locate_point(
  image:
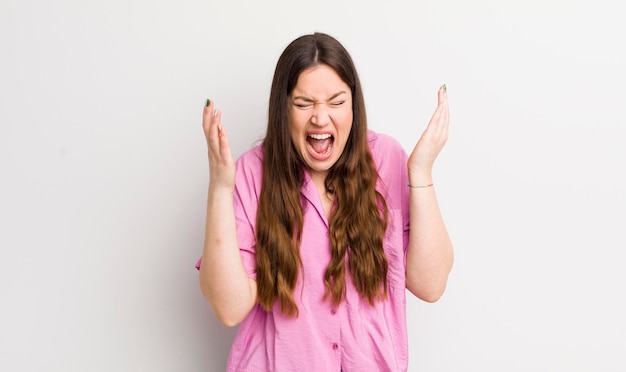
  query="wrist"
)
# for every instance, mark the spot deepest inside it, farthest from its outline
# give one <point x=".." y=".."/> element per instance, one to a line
<point x="420" y="186"/>
<point x="220" y="189"/>
<point x="420" y="178"/>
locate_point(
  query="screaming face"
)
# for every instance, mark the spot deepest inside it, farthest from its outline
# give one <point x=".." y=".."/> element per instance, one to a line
<point x="320" y="118"/>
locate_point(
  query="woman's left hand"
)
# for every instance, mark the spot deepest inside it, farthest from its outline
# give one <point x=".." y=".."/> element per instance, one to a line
<point x="431" y="142"/>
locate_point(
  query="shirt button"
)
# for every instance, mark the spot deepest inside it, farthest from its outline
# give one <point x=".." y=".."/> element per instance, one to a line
<point x="333" y="311"/>
<point x="335" y="346"/>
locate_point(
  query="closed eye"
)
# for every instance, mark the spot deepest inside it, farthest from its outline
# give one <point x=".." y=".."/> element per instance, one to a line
<point x="303" y="105"/>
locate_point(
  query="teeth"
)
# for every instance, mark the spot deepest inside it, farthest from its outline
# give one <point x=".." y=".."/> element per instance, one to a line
<point x="320" y="136"/>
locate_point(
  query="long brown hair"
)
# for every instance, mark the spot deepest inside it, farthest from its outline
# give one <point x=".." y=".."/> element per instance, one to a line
<point x="359" y="216"/>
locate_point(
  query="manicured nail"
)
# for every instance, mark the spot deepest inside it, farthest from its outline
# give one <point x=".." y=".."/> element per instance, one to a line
<point x="208" y="102"/>
<point x="445" y="89"/>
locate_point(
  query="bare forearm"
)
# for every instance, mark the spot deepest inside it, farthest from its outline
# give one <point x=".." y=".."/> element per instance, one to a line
<point x="223" y="278"/>
<point x="430" y="254"/>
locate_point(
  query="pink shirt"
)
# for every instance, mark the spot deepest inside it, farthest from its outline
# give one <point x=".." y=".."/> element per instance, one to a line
<point x="354" y="336"/>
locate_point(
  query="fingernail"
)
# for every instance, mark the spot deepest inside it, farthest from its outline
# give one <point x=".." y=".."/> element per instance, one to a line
<point x="445" y="89"/>
<point x="208" y="102"/>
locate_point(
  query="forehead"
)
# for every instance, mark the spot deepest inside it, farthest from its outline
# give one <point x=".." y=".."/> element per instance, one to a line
<point x="320" y="81"/>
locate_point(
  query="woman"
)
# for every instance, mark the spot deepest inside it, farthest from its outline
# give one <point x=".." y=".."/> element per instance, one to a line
<point x="308" y="241"/>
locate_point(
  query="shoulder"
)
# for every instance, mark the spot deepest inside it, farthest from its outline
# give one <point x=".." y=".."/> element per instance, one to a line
<point x="385" y="147"/>
<point x="390" y="160"/>
<point x="249" y="168"/>
<point x="252" y="157"/>
<point x="251" y="161"/>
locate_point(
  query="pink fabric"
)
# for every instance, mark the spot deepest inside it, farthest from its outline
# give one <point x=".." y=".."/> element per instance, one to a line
<point x="355" y="336"/>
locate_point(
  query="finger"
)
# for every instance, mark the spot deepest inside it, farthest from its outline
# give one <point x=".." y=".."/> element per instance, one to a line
<point x="446" y="113"/>
<point x="441" y="94"/>
<point x="441" y="128"/>
<point x="223" y="141"/>
<point x="209" y="125"/>
<point x="207" y="116"/>
<point x="446" y="116"/>
<point x="441" y="103"/>
<point x="443" y="118"/>
<point x="213" y="132"/>
<point x="435" y="119"/>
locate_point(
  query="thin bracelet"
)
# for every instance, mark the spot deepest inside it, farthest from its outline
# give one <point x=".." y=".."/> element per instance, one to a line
<point x="420" y="186"/>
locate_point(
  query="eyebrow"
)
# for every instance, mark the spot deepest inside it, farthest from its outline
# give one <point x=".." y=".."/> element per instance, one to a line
<point x="307" y="99"/>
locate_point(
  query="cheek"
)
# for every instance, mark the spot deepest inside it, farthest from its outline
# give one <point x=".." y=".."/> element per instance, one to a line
<point x="295" y="135"/>
<point x="346" y="121"/>
<point x="298" y="119"/>
<point x="347" y="113"/>
<point x="297" y="128"/>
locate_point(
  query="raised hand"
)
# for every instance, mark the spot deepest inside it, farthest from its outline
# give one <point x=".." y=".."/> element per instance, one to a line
<point x="431" y="142"/>
<point x="223" y="278"/>
<point x="221" y="162"/>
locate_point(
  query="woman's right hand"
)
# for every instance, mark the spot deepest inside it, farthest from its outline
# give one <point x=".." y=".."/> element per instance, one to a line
<point x="223" y="278"/>
<point x="221" y="162"/>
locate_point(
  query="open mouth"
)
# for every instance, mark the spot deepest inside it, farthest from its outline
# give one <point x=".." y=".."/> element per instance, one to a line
<point x="320" y="145"/>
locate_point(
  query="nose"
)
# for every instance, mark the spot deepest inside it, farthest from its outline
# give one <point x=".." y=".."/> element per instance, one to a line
<point x="320" y="115"/>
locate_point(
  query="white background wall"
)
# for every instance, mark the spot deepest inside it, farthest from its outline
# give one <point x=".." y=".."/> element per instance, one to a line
<point x="103" y="172"/>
